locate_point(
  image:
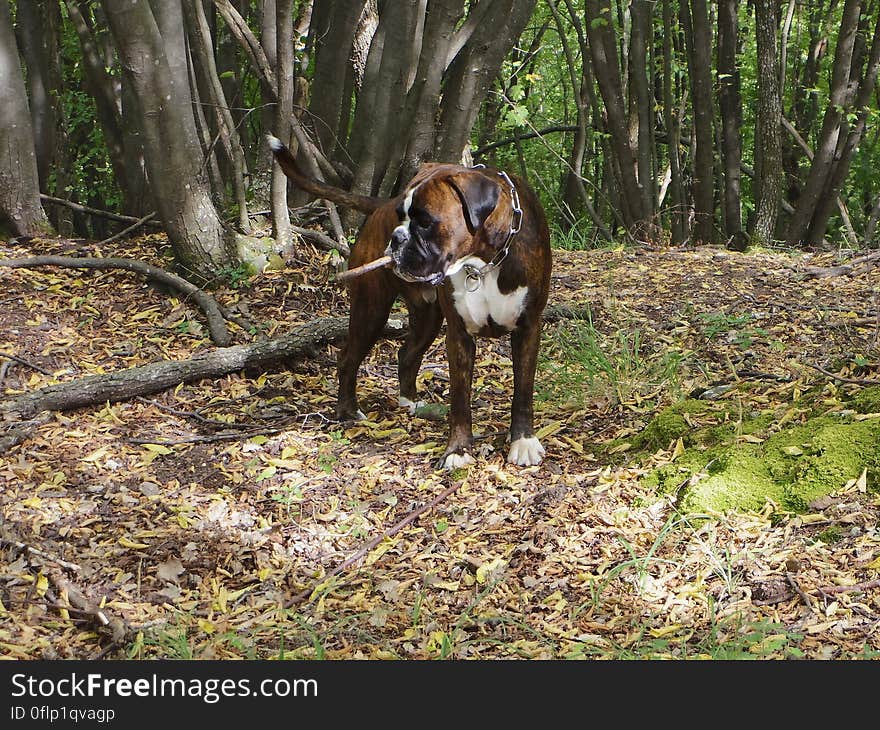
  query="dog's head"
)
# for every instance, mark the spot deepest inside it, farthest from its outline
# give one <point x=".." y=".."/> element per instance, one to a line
<point x="443" y="217"/>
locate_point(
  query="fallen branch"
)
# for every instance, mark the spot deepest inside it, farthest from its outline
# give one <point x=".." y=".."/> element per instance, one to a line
<point x="365" y="549"/>
<point x="79" y="208"/>
<point x="22" y="361"/>
<point x="128" y="229"/>
<point x="39" y="553"/>
<point x="216" y="324"/>
<point x="322" y="240"/>
<point x="866" y="586"/>
<point x="379" y="263"/>
<point x="850" y="269"/>
<point x="19" y="433"/>
<point x="854" y="381"/>
<point x="158" y="376"/>
<point x="112" y="626"/>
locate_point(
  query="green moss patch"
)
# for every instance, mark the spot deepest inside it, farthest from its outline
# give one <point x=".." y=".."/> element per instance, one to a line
<point x="792" y="467"/>
<point x="867" y="400"/>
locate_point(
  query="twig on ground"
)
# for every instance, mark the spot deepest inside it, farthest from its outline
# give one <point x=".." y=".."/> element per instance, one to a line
<point x="866" y="586"/>
<point x="40" y="553"/>
<point x="854" y="381"/>
<point x="76" y="597"/>
<point x="26" y="363"/>
<point x="792" y="581"/>
<point x="365" y="549"/>
<point x="206" y="439"/>
<point x="192" y="414"/>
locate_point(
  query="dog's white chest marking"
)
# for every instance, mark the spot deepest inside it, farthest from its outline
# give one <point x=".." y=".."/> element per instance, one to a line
<point x="485" y="301"/>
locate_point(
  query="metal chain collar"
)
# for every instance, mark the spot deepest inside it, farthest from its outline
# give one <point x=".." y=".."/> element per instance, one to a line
<point x="474" y="275"/>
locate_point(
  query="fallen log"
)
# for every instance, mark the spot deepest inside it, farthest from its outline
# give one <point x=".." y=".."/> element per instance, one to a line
<point x="158" y="376"/>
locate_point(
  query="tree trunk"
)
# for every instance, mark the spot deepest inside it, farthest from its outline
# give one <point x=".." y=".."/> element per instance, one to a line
<point x="846" y="146"/>
<point x="826" y="146"/>
<point x="283" y="54"/>
<point x="603" y="50"/>
<point x="31" y="25"/>
<point x="333" y="27"/>
<point x="201" y="245"/>
<point x="672" y="122"/>
<point x="38" y="34"/>
<point x="768" y="134"/>
<point x="423" y="101"/>
<point x="470" y="74"/>
<point x="388" y="69"/>
<point x="641" y="103"/>
<point x="203" y="57"/>
<point x="698" y="36"/>
<point x="20" y="207"/>
<point x="123" y="146"/>
<point x="730" y="106"/>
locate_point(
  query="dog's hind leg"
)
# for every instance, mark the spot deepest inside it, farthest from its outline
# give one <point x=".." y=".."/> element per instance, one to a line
<point x="425" y="320"/>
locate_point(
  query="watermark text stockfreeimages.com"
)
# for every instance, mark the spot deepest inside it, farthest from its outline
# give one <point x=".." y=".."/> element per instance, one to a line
<point x="95" y="685"/>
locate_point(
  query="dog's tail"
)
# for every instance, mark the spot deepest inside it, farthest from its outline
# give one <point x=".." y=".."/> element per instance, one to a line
<point x="319" y="189"/>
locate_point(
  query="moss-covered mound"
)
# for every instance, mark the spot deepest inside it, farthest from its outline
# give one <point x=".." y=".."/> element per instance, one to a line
<point x="740" y="463"/>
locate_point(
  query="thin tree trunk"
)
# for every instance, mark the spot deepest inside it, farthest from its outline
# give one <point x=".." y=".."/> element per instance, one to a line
<point x="20" y="207"/>
<point x="641" y="103"/>
<point x="672" y="123"/>
<point x="201" y="245"/>
<point x="38" y="31"/>
<point x="768" y="136"/>
<point x="603" y="50"/>
<point x="698" y="36"/>
<point x="847" y="146"/>
<point x="281" y="228"/>
<point x="471" y="73"/>
<point x="333" y="26"/>
<point x="423" y="100"/>
<point x="730" y="106"/>
<point x="226" y="127"/>
<point x="826" y="146"/>
<point x="123" y="143"/>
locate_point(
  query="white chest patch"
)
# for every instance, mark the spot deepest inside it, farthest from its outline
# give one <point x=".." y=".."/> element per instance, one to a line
<point x="476" y="307"/>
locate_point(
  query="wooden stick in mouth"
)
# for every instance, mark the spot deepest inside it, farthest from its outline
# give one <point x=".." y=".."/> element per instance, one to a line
<point x="379" y="263"/>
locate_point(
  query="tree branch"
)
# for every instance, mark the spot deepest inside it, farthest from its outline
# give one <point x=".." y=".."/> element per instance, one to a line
<point x="100" y="213"/>
<point x="216" y="324"/>
<point x="480" y="151"/>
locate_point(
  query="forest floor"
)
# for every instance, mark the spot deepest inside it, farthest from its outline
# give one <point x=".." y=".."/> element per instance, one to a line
<point x="180" y="525"/>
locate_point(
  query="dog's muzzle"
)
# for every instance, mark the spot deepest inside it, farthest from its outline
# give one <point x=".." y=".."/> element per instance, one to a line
<point x="400" y="239"/>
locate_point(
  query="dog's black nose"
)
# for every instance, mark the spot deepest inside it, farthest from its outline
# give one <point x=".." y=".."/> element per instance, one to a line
<point x="399" y="236"/>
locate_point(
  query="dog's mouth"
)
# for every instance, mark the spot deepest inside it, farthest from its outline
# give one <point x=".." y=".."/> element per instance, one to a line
<point x="434" y="279"/>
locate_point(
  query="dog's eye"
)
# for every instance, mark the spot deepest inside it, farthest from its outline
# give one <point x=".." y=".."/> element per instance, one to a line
<point x="422" y="222"/>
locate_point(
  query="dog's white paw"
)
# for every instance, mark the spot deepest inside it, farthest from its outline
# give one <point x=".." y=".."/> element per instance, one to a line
<point x="526" y="451"/>
<point x="457" y="461"/>
<point x="411" y="406"/>
<point x="361" y="416"/>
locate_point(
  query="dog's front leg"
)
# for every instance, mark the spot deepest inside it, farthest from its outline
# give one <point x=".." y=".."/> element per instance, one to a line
<point x="460" y="350"/>
<point x="525" y="448"/>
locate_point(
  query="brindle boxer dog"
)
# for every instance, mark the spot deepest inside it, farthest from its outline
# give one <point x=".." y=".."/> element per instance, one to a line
<point x="470" y="245"/>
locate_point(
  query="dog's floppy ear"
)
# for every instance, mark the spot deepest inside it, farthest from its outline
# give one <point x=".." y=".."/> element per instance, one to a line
<point x="479" y="196"/>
